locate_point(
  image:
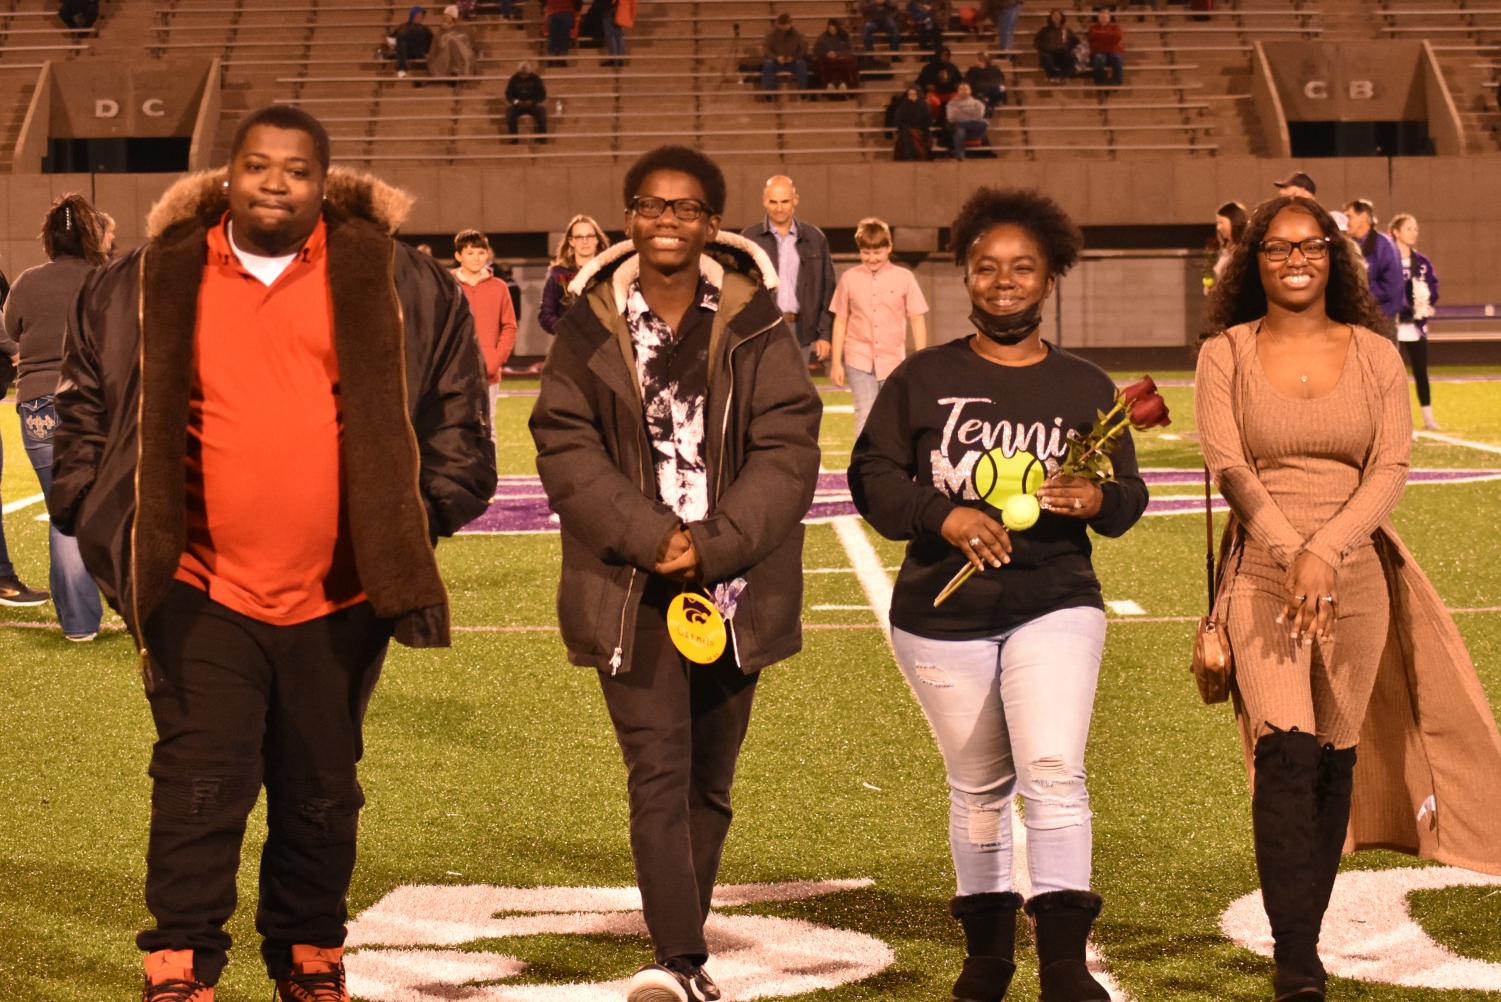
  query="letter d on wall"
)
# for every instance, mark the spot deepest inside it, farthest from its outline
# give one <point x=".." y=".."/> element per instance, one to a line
<point x="106" y="108"/>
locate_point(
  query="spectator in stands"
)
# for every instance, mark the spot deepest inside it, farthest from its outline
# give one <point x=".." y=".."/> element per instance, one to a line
<point x="1420" y="296"/>
<point x="1229" y="227"/>
<point x="880" y="18"/>
<point x="924" y="24"/>
<point x="35" y="324"/>
<point x="411" y="40"/>
<point x="940" y="80"/>
<point x="453" y="54"/>
<point x="912" y="125"/>
<point x="987" y="82"/>
<point x="1383" y="265"/>
<point x="12" y="591"/>
<point x="834" y="57"/>
<point x="966" y="119"/>
<point x="79" y="15"/>
<point x="785" y="51"/>
<point x="872" y="306"/>
<point x="1107" y="47"/>
<point x="1296" y="185"/>
<point x="1004" y="13"/>
<point x="526" y="96"/>
<point x="560" y="16"/>
<point x="1055" y="44"/>
<point x="490" y="302"/>
<point x="608" y="19"/>
<point x="582" y="240"/>
<point x="805" y="269"/>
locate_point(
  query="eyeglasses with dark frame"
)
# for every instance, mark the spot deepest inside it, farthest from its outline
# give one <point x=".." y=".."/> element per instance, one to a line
<point x="1313" y="249"/>
<point x="686" y="209"/>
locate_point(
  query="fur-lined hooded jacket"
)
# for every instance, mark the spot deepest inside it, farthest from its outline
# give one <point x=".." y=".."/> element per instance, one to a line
<point x="416" y="448"/>
<point x="761" y="450"/>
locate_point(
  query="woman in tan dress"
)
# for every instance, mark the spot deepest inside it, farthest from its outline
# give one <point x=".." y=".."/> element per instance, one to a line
<point x="1304" y="420"/>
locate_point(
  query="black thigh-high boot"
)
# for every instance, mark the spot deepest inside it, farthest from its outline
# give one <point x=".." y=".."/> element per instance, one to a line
<point x="1284" y="818"/>
<point x="1332" y="802"/>
<point x="989" y="922"/>
<point x="1064" y="919"/>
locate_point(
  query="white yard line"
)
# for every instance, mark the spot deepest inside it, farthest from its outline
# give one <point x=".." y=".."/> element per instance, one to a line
<point x="877" y="585"/>
<point x="16" y="506"/>
<point x="1451" y="440"/>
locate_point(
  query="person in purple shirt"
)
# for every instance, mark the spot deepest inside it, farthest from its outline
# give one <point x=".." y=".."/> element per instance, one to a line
<point x="1382" y="263"/>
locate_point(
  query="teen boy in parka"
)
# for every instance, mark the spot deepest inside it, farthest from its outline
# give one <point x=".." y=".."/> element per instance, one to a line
<point x="268" y="414"/>
<point x="677" y="438"/>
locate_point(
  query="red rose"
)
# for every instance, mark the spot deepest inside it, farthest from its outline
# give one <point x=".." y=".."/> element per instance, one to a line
<point x="1139" y="390"/>
<point x="1149" y="412"/>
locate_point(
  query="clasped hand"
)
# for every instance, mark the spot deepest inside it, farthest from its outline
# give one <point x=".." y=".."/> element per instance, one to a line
<point x="1311" y="596"/>
<point x="679" y="559"/>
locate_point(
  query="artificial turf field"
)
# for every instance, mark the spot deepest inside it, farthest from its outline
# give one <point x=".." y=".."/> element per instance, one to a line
<point x="493" y="763"/>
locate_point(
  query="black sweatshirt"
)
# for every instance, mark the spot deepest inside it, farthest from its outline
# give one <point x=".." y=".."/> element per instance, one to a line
<point x="935" y="416"/>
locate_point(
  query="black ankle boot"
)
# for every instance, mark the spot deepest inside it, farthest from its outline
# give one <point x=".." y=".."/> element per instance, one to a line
<point x="1284" y="819"/>
<point x="989" y="922"/>
<point x="1063" y="922"/>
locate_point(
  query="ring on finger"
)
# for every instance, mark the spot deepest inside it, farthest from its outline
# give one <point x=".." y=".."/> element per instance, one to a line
<point x="1078" y="504"/>
<point x="974" y="540"/>
<point x="1300" y="598"/>
<point x="1327" y="598"/>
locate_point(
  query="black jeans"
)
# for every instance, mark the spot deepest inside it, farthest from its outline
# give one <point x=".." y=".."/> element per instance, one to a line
<point x="536" y="112"/>
<point x="239" y="703"/>
<point x="680" y="726"/>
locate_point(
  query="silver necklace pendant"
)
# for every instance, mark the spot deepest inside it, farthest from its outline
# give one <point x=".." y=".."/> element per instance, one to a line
<point x="1302" y="379"/>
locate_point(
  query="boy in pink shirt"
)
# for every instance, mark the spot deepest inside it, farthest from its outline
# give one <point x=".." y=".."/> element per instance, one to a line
<point x="872" y="306"/>
<point x="489" y="301"/>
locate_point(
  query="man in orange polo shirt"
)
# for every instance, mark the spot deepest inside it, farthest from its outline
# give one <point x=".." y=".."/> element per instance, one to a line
<point x="268" y="415"/>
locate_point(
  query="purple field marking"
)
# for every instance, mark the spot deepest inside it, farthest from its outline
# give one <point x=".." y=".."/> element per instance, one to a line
<point x="520" y="506"/>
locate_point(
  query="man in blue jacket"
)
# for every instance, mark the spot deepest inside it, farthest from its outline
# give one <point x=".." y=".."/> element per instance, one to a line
<point x="1382" y="262"/>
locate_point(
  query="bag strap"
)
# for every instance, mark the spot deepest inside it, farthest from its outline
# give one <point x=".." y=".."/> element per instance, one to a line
<point x="1209" y="541"/>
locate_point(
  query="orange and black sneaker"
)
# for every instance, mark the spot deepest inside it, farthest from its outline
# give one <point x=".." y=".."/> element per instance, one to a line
<point x="317" y="976"/>
<point x="169" y="978"/>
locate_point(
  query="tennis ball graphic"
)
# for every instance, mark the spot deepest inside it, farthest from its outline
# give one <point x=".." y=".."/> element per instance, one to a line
<point x="998" y="476"/>
<point x="1020" y="511"/>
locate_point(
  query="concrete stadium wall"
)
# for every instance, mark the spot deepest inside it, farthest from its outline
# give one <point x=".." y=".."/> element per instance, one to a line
<point x="1116" y="300"/>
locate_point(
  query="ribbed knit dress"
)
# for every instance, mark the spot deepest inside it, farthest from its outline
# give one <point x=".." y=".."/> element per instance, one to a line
<point x="1318" y="475"/>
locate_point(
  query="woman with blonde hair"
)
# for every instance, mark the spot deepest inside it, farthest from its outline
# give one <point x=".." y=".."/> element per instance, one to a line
<point x="36" y="320"/>
<point x="1339" y="639"/>
<point x="1420" y="296"/>
<point x="583" y="240"/>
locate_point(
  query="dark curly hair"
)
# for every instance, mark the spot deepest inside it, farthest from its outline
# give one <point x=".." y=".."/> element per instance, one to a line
<point x="1060" y="240"/>
<point x="1239" y="297"/>
<point x="684" y="160"/>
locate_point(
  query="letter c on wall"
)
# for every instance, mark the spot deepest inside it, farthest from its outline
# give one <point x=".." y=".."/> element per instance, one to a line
<point x="154" y="107"/>
<point x="1316" y="90"/>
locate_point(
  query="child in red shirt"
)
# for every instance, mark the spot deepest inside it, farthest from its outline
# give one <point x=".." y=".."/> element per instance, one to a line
<point x="489" y="301"/>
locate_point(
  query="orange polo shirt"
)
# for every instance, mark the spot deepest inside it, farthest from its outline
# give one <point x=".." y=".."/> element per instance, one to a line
<point x="267" y="525"/>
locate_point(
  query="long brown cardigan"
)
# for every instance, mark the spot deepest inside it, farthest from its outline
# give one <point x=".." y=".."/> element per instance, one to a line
<point x="1428" y="775"/>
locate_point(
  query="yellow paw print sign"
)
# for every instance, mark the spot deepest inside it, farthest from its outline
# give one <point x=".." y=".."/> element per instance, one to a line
<point x="696" y="628"/>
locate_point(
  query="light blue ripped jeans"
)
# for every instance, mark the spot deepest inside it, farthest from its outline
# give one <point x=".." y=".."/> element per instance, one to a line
<point x="1011" y="714"/>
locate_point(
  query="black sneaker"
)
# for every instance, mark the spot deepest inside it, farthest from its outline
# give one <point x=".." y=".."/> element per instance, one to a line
<point x="656" y="983"/>
<point x="13" y="592"/>
<point x="700" y="982"/>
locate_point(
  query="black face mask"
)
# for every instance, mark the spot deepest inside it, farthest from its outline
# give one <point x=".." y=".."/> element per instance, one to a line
<point x="1013" y="328"/>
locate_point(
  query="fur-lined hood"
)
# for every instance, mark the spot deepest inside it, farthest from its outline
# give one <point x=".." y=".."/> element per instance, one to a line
<point x="726" y="251"/>
<point x="201" y="196"/>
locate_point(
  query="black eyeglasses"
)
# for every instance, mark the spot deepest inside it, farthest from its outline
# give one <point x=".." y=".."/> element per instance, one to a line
<point x="686" y="209"/>
<point x="1314" y="249"/>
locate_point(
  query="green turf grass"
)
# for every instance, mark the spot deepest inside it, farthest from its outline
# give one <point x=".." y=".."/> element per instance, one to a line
<point x="493" y="762"/>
